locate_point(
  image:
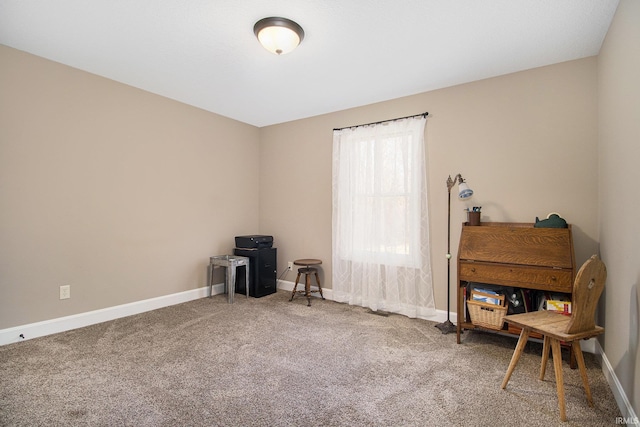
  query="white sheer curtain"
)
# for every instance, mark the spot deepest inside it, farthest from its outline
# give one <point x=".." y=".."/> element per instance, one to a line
<point x="381" y="257"/>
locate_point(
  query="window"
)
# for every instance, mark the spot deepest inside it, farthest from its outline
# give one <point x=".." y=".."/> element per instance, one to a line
<point x="380" y="221"/>
<point x="384" y="205"/>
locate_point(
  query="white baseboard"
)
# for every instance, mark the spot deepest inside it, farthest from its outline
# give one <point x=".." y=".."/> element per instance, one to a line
<point x="626" y="409"/>
<point x="441" y="316"/>
<point x="67" y="323"/>
<point x="588" y="346"/>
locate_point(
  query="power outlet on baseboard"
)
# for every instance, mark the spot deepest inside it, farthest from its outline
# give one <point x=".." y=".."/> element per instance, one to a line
<point x="290" y="266"/>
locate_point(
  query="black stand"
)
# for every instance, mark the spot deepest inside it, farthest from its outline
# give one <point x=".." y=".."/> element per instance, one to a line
<point x="448" y="327"/>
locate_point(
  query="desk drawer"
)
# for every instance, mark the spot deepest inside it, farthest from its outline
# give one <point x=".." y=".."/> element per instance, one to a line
<point x="546" y="279"/>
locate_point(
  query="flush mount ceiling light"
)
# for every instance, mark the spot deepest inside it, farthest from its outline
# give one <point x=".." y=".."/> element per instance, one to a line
<point x="278" y="35"/>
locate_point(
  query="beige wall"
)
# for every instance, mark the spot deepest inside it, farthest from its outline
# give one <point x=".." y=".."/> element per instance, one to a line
<point x="619" y="151"/>
<point x="114" y="191"/>
<point x="117" y="192"/>
<point x="525" y="142"/>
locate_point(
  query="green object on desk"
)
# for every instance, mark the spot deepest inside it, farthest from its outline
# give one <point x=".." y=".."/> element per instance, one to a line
<point x="552" y="221"/>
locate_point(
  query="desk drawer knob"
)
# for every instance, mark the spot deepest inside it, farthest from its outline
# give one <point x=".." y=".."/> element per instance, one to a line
<point x="473" y="270"/>
<point x="554" y="278"/>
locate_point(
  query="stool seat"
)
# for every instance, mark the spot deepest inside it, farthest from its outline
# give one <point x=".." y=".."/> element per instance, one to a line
<point x="307" y="271"/>
<point x="307" y="261"/>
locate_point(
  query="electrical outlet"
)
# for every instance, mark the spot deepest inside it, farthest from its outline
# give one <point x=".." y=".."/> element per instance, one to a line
<point x="65" y="291"/>
<point x="290" y="266"/>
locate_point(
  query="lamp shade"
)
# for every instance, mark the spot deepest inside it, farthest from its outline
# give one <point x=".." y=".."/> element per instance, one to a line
<point x="464" y="192"/>
<point x="278" y="35"/>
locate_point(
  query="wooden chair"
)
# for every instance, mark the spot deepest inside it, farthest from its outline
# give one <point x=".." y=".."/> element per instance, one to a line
<point x="556" y="327"/>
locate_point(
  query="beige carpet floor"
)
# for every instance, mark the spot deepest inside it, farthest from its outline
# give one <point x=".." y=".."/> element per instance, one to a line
<point x="271" y="362"/>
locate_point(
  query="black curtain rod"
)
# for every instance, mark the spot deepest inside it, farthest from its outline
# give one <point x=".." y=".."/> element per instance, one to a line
<point x="425" y="114"/>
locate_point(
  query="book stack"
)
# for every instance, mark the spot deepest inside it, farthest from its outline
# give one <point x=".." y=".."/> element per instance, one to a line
<point x="486" y="295"/>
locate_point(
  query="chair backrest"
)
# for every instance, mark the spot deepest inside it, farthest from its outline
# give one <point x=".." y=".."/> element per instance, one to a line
<point x="587" y="289"/>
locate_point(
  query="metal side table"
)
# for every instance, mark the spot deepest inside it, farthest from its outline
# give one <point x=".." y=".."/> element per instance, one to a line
<point x="231" y="262"/>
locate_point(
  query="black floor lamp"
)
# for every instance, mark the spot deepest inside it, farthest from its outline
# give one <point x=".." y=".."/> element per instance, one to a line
<point x="464" y="192"/>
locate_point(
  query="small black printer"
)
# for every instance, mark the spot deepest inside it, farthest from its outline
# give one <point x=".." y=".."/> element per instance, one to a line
<point x="254" y="242"/>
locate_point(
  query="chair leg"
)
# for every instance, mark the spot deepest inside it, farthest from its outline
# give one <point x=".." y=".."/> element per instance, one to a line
<point x="319" y="287"/>
<point x="522" y="341"/>
<point x="307" y="288"/>
<point x="583" y="371"/>
<point x="295" y="287"/>
<point x="545" y="357"/>
<point x="557" y="366"/>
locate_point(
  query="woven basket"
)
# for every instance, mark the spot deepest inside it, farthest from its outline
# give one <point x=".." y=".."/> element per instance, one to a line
<point x="487" y="315"/>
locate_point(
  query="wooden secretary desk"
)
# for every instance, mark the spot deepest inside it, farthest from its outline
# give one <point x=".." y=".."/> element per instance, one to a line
<point x="516" y="255"/>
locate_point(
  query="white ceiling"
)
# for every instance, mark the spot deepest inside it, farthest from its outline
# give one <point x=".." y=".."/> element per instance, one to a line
<point x="355" y="52"/>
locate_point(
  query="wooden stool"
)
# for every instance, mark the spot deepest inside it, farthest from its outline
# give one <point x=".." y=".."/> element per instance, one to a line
<point x="307" y="271"/>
